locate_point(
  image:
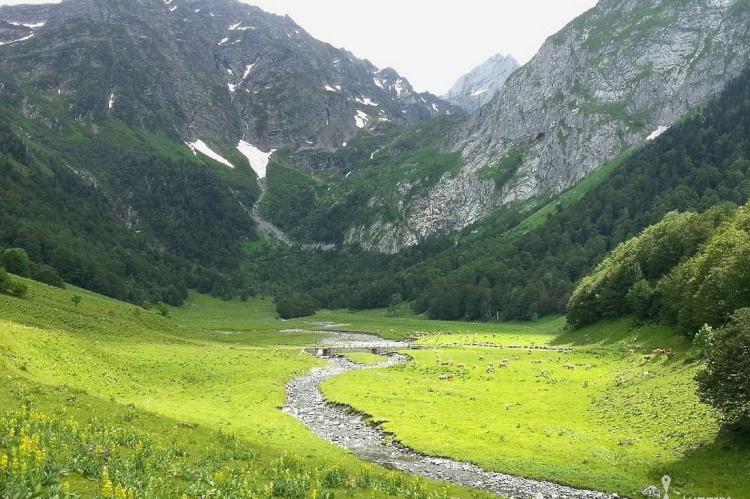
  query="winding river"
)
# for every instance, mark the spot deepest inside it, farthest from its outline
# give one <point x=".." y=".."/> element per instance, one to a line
<point x="351" y="430"/>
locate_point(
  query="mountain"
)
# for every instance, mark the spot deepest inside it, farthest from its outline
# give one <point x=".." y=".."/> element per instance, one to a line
<point x="141" y="127"/>
<point x="621" y="73"/>
<point x="217" y="71"/>
<point x="519" y="264"/>
<point x="477" y="87"/>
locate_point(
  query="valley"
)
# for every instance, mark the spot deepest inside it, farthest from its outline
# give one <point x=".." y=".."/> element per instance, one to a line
<point x="204" y="390"/>
<point x="237" y="261"/>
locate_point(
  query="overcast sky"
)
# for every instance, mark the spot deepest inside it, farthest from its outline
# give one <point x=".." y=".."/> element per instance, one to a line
<point x="431" y="43"/>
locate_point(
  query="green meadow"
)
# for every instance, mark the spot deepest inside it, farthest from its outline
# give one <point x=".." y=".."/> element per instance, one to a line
<point x="588" y="409"/>
<point x="106" y="399"/>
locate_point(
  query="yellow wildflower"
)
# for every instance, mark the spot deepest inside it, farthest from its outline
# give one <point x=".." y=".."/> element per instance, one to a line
<point x="106" y="483"/>
<point x="3" y="462"/>
<point x="120" y="492"/>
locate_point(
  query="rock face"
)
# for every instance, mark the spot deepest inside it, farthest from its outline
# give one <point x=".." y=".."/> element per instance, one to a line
<point x="620" y="73"/>
<point x="479" y="86"/>
<point x="219" y="71"/>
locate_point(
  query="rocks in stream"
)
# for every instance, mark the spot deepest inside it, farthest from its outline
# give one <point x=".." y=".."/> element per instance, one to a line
<point x="351" y="430"/>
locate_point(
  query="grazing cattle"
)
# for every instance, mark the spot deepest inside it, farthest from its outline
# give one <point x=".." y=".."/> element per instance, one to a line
<point x="658" y="352"/>
<point x="569" y="366"/>
<point x="536" y="361"/>
<point x="446" y="377"/>
<point x="491" y="368"/>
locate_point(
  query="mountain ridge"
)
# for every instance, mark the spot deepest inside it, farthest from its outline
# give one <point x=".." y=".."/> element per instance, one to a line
<point x="603" y="83"/>
<point x="477" y="87"/>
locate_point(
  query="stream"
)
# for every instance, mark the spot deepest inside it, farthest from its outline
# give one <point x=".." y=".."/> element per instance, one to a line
<point x="351" y="430"/>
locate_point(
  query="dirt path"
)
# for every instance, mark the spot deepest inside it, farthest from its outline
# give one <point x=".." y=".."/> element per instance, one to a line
<point x="350" y="430"/>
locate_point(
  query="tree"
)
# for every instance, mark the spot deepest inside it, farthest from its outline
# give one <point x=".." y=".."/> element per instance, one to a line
<point x="725" y="383"/>
<point x="16" y="261"/>
<point x="76" y="299"/>
<point x="293" y="305"/>
<point x="394" y="303"/>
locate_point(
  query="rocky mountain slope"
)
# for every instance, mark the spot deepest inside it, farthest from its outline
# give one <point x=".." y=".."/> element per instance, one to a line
<point x="155" y="119"/>
<point x="479" y="86"/>
<point x="222" y="72"/>
<point x="618" y="75"/>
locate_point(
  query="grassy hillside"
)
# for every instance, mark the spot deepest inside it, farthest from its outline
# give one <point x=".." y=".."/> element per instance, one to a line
<point x="167" y="406"/>
<point x="602" y="413"/>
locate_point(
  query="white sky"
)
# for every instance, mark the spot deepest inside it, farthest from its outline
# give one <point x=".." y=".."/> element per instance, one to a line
<point x="432" y="43"/>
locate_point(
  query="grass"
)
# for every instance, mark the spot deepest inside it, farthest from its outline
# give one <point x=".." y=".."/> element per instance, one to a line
<point x="407" y="324"/>
<point x="609" y="420"/>
<point x="201" y="390"/>
<point x="189" y="404"/>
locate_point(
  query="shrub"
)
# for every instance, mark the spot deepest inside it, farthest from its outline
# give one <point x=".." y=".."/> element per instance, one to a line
<point x="16" y="261"/>
<point x="704" y="338"/>
<point x="295" y="305"/>
<point x="47" y="275"/>
<point x="725" y="383"/>
<point x="11" y="286"/>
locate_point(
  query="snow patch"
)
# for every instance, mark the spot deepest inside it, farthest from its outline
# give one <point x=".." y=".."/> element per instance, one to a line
<point x="399" y="87"/>
<point x="223" y="41"/>
<point x="361" y="119"/>
<point x="366" y="101"/>
<point x="330" y="88"/>
<point x="18" y="40"/>
<point x="479" y="92"/>
<point x="247" y="71"/>
<point x="660" y="130"/>
<point x="435" y="108"/>
<point x="258" y="159"/>
<point x="232" y="87"/>
<point x="378" y="83"/>
<point x="239" y="27"/>
<point x="201" y="147"/>
<point x="111" y="102"/>
<point x="27" y="25"/>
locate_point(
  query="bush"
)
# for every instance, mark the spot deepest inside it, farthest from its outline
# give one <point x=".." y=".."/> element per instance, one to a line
<point x="295" y="305"/>
<point x="725" y="383"/>
<point x="47" y="275"/>
<point x="11" y="286"/>
<point x="16" y="261"/>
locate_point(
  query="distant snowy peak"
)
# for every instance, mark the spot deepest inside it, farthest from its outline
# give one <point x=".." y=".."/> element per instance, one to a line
<point x="479" y="86"/>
